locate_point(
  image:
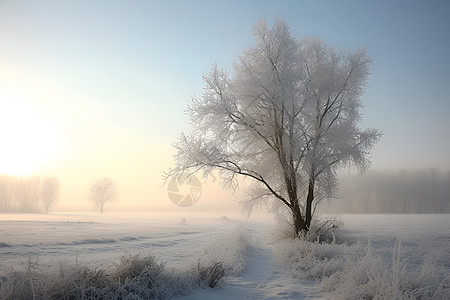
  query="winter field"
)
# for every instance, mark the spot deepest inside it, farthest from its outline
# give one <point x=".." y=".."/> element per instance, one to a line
<point x="148" y="256"/>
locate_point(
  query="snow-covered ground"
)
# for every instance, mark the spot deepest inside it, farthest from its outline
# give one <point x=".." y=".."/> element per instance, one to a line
<point x="399" y="245"/>
<point x="102" y="239"/>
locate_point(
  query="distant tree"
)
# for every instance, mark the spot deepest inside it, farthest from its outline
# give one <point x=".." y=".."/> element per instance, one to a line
<point x="287" y="118"/>
<point x="50" y="192"/>
<point x="102" y="191"/>
<point x="35" y="192"/>
<point x="7" y="186"/>
<point x="27" y="192"/>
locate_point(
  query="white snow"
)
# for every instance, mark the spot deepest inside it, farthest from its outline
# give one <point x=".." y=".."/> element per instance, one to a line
<point x="412" y="249"/>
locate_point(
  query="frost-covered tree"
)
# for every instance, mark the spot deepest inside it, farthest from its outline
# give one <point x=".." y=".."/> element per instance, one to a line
<point x="102" y="191"/>
<point x="50" y="192"/>
<point x="287" y="118"/>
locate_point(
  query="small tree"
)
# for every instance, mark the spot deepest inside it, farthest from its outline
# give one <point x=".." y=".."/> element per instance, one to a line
<point x="287" y="118"/>
<point x="102" y="191"/>
<point x="50" y="192"/>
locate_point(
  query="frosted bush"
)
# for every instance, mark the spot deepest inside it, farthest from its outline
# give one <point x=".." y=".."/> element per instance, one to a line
<point x="364" y="271"/>
<point x="75" y="282"/>
<point x="147" y="278"/>
<point x="320" y="231"/>
<point x="323" y="230"/>
<point x="21" y="285"/>
<point x="131" y="266"/>
<point x="211" y="274"/>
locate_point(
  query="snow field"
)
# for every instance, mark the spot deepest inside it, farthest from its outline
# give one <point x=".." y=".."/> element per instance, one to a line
<point x="131" y="276"/>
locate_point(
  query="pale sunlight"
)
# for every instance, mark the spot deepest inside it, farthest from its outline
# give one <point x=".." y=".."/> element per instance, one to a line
<point x="29" y="139"/>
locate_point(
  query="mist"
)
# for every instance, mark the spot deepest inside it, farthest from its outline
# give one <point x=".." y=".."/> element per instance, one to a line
<point x="392" y="191"/>
<point x="377" y="191"/>
<point x="139" y="194"/>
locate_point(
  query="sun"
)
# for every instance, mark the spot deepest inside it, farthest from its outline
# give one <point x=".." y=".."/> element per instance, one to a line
<point x="28" y="138"/>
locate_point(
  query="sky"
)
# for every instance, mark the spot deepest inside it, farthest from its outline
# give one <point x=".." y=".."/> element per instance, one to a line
<point x="99" y="88"/>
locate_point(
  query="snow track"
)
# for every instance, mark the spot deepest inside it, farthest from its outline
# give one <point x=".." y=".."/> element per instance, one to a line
<point x="263" y="279"/>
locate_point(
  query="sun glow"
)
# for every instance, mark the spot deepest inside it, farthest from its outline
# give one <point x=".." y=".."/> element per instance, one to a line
<point x="29" y="138"/>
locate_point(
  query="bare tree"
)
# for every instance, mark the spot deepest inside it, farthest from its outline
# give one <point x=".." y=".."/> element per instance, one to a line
<point x="35" y="192"/>
<point x="102" y="191"/>
<point x="50" y="192"/>
<point x="27" y="192"/>
<point x="286" y="118"/>
<point x="7" y="185"/>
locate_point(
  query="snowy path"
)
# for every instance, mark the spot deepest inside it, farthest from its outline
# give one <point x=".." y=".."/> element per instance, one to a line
<point x="264" y="279"/>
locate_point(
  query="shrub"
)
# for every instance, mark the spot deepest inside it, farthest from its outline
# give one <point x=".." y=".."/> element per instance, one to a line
<point x="131" y="266"/>
<point x="211" y="274"/>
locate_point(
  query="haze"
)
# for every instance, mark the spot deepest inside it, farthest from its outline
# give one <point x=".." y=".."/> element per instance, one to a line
<point x="89" y="90"/>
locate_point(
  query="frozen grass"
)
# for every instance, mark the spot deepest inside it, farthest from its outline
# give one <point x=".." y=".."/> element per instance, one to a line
<point x="226" y="256"/>
<point x="231" y="250"/>
<point x="366" y="269"/>
<point x="132" y="277"/>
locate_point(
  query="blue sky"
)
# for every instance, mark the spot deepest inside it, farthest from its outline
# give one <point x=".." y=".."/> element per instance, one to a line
<point x="111" y="79"/>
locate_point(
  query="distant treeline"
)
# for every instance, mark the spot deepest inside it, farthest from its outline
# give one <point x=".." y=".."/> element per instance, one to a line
<point x="27" y="194"/>
<point x="401" y="191"/>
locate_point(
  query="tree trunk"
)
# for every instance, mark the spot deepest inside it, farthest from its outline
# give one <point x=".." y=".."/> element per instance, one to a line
<point x="101" y="209"/>
<point x="299" y="223"/>
<point x="309" y="201"/>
